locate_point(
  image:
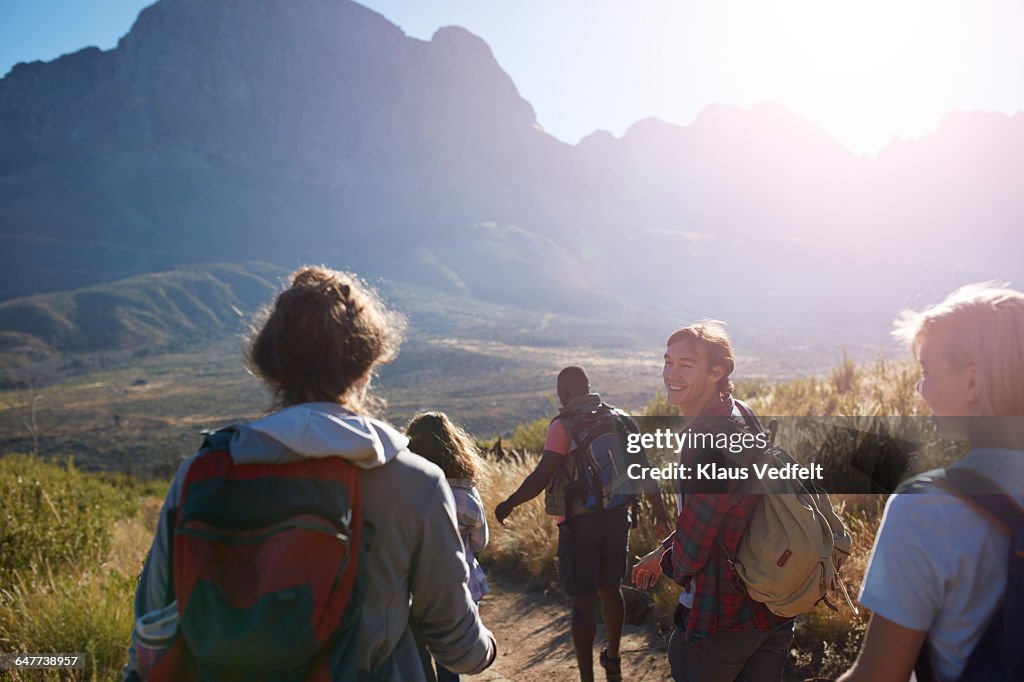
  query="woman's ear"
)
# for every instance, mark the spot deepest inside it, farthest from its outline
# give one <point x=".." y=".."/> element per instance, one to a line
<point x="972" y="386"/>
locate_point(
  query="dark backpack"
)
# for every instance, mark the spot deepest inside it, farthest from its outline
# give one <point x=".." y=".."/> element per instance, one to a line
<point x="265" y="562"/>
<point x="999" y="653"/>
<point x="599" y="459"/>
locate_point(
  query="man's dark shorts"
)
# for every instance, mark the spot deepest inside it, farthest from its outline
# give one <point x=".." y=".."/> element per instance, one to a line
<point x="592" y="550"/>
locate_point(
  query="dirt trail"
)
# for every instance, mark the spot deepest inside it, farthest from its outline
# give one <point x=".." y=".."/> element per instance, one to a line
<point x="535" y="644"/>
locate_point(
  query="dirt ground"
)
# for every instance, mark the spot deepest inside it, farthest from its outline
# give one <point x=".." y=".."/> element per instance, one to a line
<point x="535" y="644"/>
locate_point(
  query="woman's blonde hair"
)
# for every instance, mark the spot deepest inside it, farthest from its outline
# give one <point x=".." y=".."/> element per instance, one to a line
<point x="435" y="437"/>
<point x="322" y="338"/>
<point x="710" y="336"/>
<point x="983" y="326"/>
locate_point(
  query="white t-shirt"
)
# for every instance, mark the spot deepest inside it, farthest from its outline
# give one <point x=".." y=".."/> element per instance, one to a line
<point x="939" y="565"/>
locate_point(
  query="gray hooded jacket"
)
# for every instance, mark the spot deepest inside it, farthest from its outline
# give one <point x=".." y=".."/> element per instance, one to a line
<point x="415" y="568"/>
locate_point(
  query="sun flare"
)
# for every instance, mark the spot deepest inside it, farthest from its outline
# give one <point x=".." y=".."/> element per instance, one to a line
<point x="857" y="66"/>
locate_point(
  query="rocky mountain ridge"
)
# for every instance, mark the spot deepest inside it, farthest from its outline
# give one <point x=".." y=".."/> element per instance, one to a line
<point x="315" y="130"/>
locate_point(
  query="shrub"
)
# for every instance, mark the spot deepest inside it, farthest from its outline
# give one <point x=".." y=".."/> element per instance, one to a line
<point x="531" y="435"/>
<point x="56" y="515"/>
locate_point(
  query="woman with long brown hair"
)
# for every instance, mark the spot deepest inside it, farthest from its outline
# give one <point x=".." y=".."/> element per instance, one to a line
<point x="433" y="436"/>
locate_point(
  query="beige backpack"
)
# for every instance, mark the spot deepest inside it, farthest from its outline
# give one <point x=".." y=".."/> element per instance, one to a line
<point x="790" y="556"/>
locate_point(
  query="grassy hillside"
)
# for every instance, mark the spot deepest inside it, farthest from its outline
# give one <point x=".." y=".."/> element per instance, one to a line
<point x="71" y="547"/>
<point x="149" y="312"/>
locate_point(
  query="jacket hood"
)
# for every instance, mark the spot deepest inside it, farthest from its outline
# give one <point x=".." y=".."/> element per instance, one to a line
<point x="317" y="430"/>
<point x="582" y="403"/>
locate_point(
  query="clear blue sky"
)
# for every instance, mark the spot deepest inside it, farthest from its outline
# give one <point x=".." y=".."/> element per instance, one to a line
<point x="865" y="71"/>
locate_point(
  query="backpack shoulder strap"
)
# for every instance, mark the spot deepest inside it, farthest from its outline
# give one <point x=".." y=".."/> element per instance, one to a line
<point x="623" y="420"/>
<point x="572" y="419"/>
<point x="718" y="423"/>
<point x="1000" y="509"/>
<point x="749" y="418"/>
<point x="568" y="418"/>
<point x="985" y="496"/>
<point x="730" y="423"/>
<point x="560" y="415"/>
<point x="218" y="439"/>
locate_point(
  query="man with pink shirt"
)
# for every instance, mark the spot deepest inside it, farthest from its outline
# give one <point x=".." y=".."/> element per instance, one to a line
<point x="592" y="544"/>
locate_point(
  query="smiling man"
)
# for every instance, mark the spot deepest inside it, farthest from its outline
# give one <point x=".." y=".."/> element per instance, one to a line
<point x="721" y="633"/>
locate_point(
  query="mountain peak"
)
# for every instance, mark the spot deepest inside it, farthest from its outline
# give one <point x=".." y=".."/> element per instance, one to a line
<point x="649" y="127"/>
<point x="465" y="73"/>
<point x="457" y="37"/>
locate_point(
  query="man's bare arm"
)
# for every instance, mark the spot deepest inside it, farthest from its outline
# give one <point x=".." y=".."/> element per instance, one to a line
<point x="532" y="486"/>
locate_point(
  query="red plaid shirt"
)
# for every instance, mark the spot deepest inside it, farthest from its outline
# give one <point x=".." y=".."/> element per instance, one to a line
<point x="706" y="524"/>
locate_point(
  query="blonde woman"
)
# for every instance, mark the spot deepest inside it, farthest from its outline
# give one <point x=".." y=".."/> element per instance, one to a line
<point x="938" y="571"/>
